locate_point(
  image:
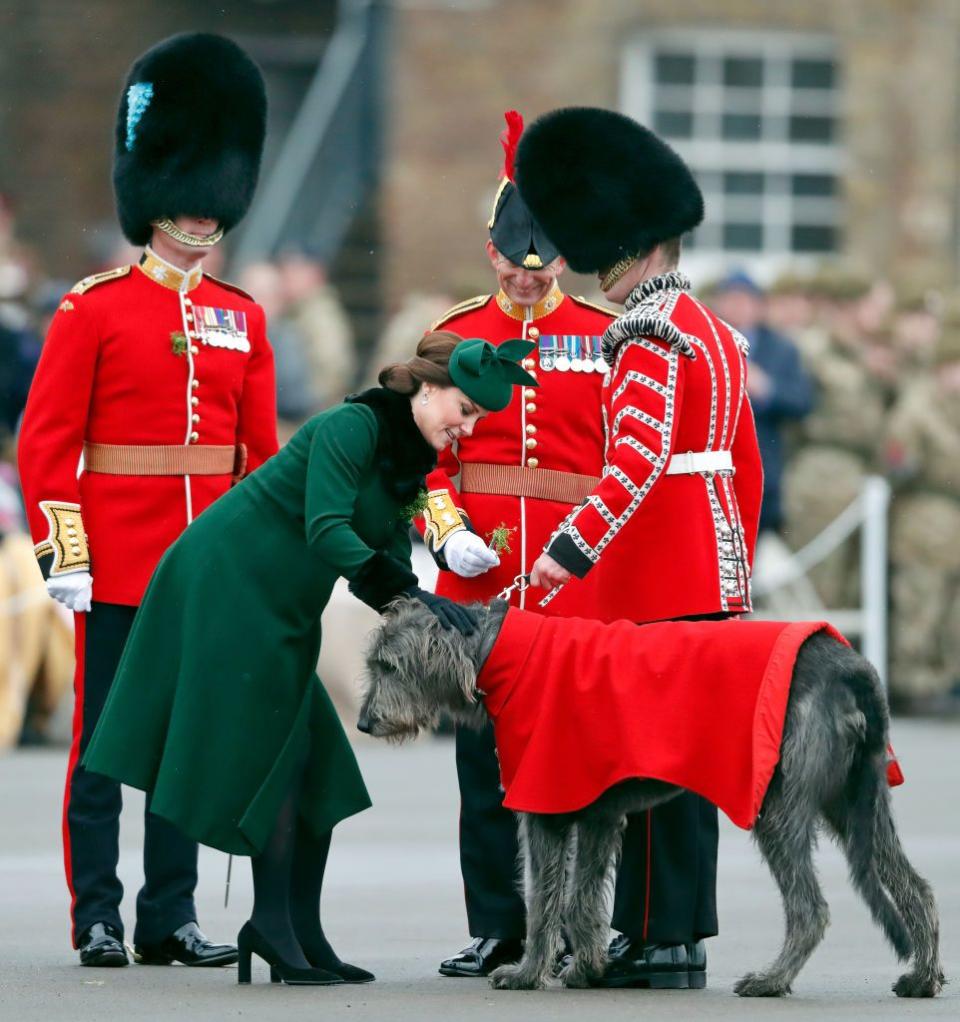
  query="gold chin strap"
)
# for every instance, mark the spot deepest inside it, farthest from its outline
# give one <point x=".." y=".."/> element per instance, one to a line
<point x="616" y="271"/>
<point x="193" y="240"/>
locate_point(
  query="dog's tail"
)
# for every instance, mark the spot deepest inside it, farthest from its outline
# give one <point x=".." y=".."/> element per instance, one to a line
<point x="869" y="825"/>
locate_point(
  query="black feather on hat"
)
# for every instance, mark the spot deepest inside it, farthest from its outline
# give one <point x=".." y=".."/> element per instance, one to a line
<point x="189" y="134"/>
<point x="603" y="187"/>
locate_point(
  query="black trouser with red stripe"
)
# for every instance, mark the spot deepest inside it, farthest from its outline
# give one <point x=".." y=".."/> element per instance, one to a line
<point x="666" y="882"/>
<point x="92" y="803"/>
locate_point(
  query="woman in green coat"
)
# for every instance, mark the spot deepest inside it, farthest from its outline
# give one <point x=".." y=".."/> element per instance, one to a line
<point x="216" y="710"/>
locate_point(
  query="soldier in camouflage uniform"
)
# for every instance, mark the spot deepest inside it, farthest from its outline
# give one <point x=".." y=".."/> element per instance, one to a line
<point x="915" y="328"/>
<point x="838" y="444"/>
<point x="790" y="308"/>
<point x="922" y="452"/>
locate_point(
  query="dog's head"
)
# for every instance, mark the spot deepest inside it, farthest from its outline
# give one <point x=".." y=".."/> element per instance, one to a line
<point x="416" y="669"/>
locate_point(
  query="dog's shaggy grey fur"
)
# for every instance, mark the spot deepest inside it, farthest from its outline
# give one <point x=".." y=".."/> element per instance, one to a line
<point x="831" y="775"/>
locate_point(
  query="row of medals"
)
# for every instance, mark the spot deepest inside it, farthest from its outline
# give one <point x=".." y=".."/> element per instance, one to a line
<point x="551" y="359"/>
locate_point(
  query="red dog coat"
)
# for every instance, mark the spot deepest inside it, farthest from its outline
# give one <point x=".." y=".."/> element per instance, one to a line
<point x="578" y="705"/>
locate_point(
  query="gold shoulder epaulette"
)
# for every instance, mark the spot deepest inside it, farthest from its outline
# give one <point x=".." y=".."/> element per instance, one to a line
<point x="94" y="279"/>
<point x="593" y="305"/>
<point x="229" y="286"/>
<point x="467" y="306"/>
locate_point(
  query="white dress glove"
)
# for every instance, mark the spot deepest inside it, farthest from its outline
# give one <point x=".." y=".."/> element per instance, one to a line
<point x="74" y="591"/>
<point x="468" y="555"/>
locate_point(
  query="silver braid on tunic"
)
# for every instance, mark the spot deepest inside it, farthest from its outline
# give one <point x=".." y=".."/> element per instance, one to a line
<point x="644" y="318"/>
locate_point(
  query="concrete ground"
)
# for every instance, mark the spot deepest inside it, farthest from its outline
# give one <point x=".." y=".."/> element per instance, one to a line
<point x="393" y="904"/>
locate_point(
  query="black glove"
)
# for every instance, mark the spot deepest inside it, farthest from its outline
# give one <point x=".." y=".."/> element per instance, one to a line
<point x="448" y="613"/>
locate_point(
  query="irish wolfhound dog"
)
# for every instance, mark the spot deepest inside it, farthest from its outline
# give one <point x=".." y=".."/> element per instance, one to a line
<point x="831" y="773"/>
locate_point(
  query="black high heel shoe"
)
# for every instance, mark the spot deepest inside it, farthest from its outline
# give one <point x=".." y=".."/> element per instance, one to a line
<point x="348" y="973"/>
<point x="250" y="941"/>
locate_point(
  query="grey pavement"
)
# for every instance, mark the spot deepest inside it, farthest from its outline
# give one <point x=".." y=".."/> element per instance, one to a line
<point x="393" y="904"/>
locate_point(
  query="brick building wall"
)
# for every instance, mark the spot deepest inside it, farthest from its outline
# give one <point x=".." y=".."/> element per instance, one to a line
<point x="454" y="66"/>
<point x="457" y="66"/>
<point x="61" y="69"/>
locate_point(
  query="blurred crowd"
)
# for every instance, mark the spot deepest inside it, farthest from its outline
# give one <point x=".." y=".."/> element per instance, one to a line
<point x="36" y="634"/>
<point x="853" y="377"/>
<point x="849" y="377"/>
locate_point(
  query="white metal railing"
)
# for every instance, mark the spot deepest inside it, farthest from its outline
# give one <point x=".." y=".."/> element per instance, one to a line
<point x="868" y="514"/>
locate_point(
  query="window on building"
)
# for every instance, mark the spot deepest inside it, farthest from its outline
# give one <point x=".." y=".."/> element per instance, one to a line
<point x="756" y="115"/>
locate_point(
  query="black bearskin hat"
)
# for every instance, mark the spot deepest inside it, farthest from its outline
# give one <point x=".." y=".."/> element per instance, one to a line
<point x="512" y="229"/>
<point x="189" y="134"/>
<point x="604" y="187"/>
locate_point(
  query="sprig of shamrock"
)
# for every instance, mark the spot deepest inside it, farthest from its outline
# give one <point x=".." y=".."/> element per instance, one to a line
<point x="415" y="508"/>
<point x="500" y="538"/>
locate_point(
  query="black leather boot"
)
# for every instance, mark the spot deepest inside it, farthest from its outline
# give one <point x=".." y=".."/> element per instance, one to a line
<point x="187" y="945"/>
<point x="697" y="965"/>
<point x="482" y="957"/>
<point x="655" y="966"/>
<point x="102" y="945"/>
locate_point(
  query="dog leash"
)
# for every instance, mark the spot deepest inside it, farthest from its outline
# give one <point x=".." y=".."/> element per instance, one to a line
<point x="553" y="592"/>
<point x="520" y="584"/>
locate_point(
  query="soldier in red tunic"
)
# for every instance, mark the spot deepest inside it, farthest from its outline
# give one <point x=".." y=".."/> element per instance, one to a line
<point x="669" y="532"/>
<point x="154" y="392"/>
<point x="521" y="470"/>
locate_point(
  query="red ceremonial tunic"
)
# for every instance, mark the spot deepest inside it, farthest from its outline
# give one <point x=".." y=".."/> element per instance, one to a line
<point x="142" y="355"/>
<point x="556" y="427"/>
<point x="696" y="704"/>
<point x="671" y="545"/>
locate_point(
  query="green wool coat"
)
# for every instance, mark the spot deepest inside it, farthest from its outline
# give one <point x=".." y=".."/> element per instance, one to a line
<point x="216" y="704"/>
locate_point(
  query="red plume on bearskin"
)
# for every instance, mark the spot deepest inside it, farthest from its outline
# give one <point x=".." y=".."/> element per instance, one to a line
<point x="509" y="139"/>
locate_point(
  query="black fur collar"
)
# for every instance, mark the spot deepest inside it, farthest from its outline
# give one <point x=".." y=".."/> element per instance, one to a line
<point x="403" y="455"/>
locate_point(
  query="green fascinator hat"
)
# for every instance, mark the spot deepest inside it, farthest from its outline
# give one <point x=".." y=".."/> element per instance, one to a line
<point x="487" y="373"/>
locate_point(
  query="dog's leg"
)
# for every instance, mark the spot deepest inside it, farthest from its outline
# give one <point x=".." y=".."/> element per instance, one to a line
<point x="859" y="812"/>
<point x="587" y="914"/>
<point x="872" y="845"/>
<point x="913" y="896"/>
<point x="785" y="835"/>
<point x="543" y="840"/>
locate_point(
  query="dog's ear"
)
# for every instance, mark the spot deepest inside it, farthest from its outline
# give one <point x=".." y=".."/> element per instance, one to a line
<point x="458" y="664"/>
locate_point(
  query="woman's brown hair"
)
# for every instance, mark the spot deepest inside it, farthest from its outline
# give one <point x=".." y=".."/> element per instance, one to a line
<point x="429" y="365"/>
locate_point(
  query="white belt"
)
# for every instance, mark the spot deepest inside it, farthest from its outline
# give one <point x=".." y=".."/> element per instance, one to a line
<point x="692" y="462"/>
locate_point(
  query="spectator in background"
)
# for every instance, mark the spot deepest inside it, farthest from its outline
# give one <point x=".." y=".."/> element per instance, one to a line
<point x="789" y="307"/>
<point x="840" y="437"/>
<point x="915" y="328"/>
<point x="313" y="308"/>
<point x="17" y="361"/>
<point x="19" y="343"/>
<point x="405" y="328"/>
<point x="921" y="454"/>
<point x="780" y="388"/>
<point x="13" y="253"/>
<point x="296" y="399"/>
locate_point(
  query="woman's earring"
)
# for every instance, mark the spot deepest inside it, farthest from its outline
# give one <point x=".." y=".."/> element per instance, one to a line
<point x="424" y="399"/>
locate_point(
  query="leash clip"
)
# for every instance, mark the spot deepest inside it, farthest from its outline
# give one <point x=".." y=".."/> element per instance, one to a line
<point x="520" y="584"/>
